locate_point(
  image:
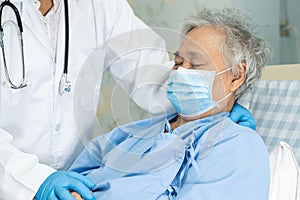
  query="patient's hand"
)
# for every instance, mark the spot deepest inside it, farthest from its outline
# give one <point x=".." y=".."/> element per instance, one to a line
<point x="76" y="196"/>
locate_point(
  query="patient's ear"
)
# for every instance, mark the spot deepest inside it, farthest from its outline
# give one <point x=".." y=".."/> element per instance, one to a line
<point x="239" y="78"/>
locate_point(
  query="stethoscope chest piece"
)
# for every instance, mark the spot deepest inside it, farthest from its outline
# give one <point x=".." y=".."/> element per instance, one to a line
<point x="64" y="84"/>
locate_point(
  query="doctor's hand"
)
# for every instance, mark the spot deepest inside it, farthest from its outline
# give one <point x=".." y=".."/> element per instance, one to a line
<point x="59" y="184"/>
<point x="242" y="116"/>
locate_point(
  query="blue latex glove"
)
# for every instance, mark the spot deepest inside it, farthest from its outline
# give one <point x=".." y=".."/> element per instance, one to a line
<point x="242" y="116"/>
<point x="58" y="186"/>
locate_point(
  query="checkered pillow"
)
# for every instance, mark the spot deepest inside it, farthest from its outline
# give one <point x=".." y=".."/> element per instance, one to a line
<point x="275" y="106"/>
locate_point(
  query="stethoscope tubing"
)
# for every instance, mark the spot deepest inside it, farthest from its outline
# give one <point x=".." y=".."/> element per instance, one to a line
<point x="17" y="14"/>
<point x="67" y="34"/>
<point x="64" y="84"/>
<point x="20" y="26"/>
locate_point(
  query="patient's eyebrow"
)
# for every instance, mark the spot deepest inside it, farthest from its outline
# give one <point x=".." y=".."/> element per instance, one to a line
<point x="195" y="54"/>
<point x="191" y="55"/>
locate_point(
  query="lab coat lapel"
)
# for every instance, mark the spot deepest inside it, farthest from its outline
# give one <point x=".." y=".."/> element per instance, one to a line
<point x="32" y="22"/>
<point x="74" y="16"/>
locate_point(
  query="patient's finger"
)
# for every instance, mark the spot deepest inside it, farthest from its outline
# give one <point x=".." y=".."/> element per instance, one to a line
<point x="76" y="196"/>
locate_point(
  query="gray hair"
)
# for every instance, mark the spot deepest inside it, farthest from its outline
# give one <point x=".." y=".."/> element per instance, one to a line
<point x="240" y="44"/>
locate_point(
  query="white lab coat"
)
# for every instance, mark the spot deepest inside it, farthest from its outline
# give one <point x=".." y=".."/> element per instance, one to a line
<point x="39" y="129"/>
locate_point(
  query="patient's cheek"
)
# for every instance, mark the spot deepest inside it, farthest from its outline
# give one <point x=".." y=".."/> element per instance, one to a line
<point x="76" y="196"/>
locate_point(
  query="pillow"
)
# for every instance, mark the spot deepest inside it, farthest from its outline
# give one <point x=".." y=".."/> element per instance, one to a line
<point x="284" y="184"/>
<point x="276" y="109"/>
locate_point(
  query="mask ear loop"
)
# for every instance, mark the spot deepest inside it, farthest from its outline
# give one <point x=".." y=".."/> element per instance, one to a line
<point x="230" y="93"/>
<point x="222" y="72"/>
<point x="222" y="99"/>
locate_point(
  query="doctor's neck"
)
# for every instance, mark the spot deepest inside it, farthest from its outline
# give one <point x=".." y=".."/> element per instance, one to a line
<point x="46" y="6"/>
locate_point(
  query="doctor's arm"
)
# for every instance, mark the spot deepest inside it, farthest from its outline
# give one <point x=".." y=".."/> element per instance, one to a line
<point x="21" y="176"/>
<point x="138" y="61"/>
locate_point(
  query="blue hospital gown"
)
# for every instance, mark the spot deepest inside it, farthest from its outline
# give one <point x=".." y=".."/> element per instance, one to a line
<point x="211" y="158"/>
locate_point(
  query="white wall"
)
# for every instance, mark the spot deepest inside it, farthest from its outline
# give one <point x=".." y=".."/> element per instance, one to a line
<point x="288" y="51"/>
<point x="265" y="14"/>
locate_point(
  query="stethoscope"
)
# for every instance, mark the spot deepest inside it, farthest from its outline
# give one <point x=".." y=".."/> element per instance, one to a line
<point x="64" y="84"/>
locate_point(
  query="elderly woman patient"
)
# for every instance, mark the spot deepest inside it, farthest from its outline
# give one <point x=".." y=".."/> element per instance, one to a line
<point x="198" y="152"/>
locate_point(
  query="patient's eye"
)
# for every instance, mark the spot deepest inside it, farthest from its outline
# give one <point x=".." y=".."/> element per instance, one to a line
<point x="198" y="64"/>
<point x="197" y="60"/>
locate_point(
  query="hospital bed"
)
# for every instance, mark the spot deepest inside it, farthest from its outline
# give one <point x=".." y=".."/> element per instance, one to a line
<point x="275" y="104"/>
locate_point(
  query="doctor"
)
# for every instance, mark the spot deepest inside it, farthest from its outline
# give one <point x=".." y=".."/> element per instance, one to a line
<point x="38" y="131"/>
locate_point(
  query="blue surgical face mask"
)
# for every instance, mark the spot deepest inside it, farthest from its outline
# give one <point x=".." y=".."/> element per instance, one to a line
<point x="190" y="91"/>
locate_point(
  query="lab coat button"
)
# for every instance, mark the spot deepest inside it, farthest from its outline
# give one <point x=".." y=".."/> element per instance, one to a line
<point x="57" y="128"/>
